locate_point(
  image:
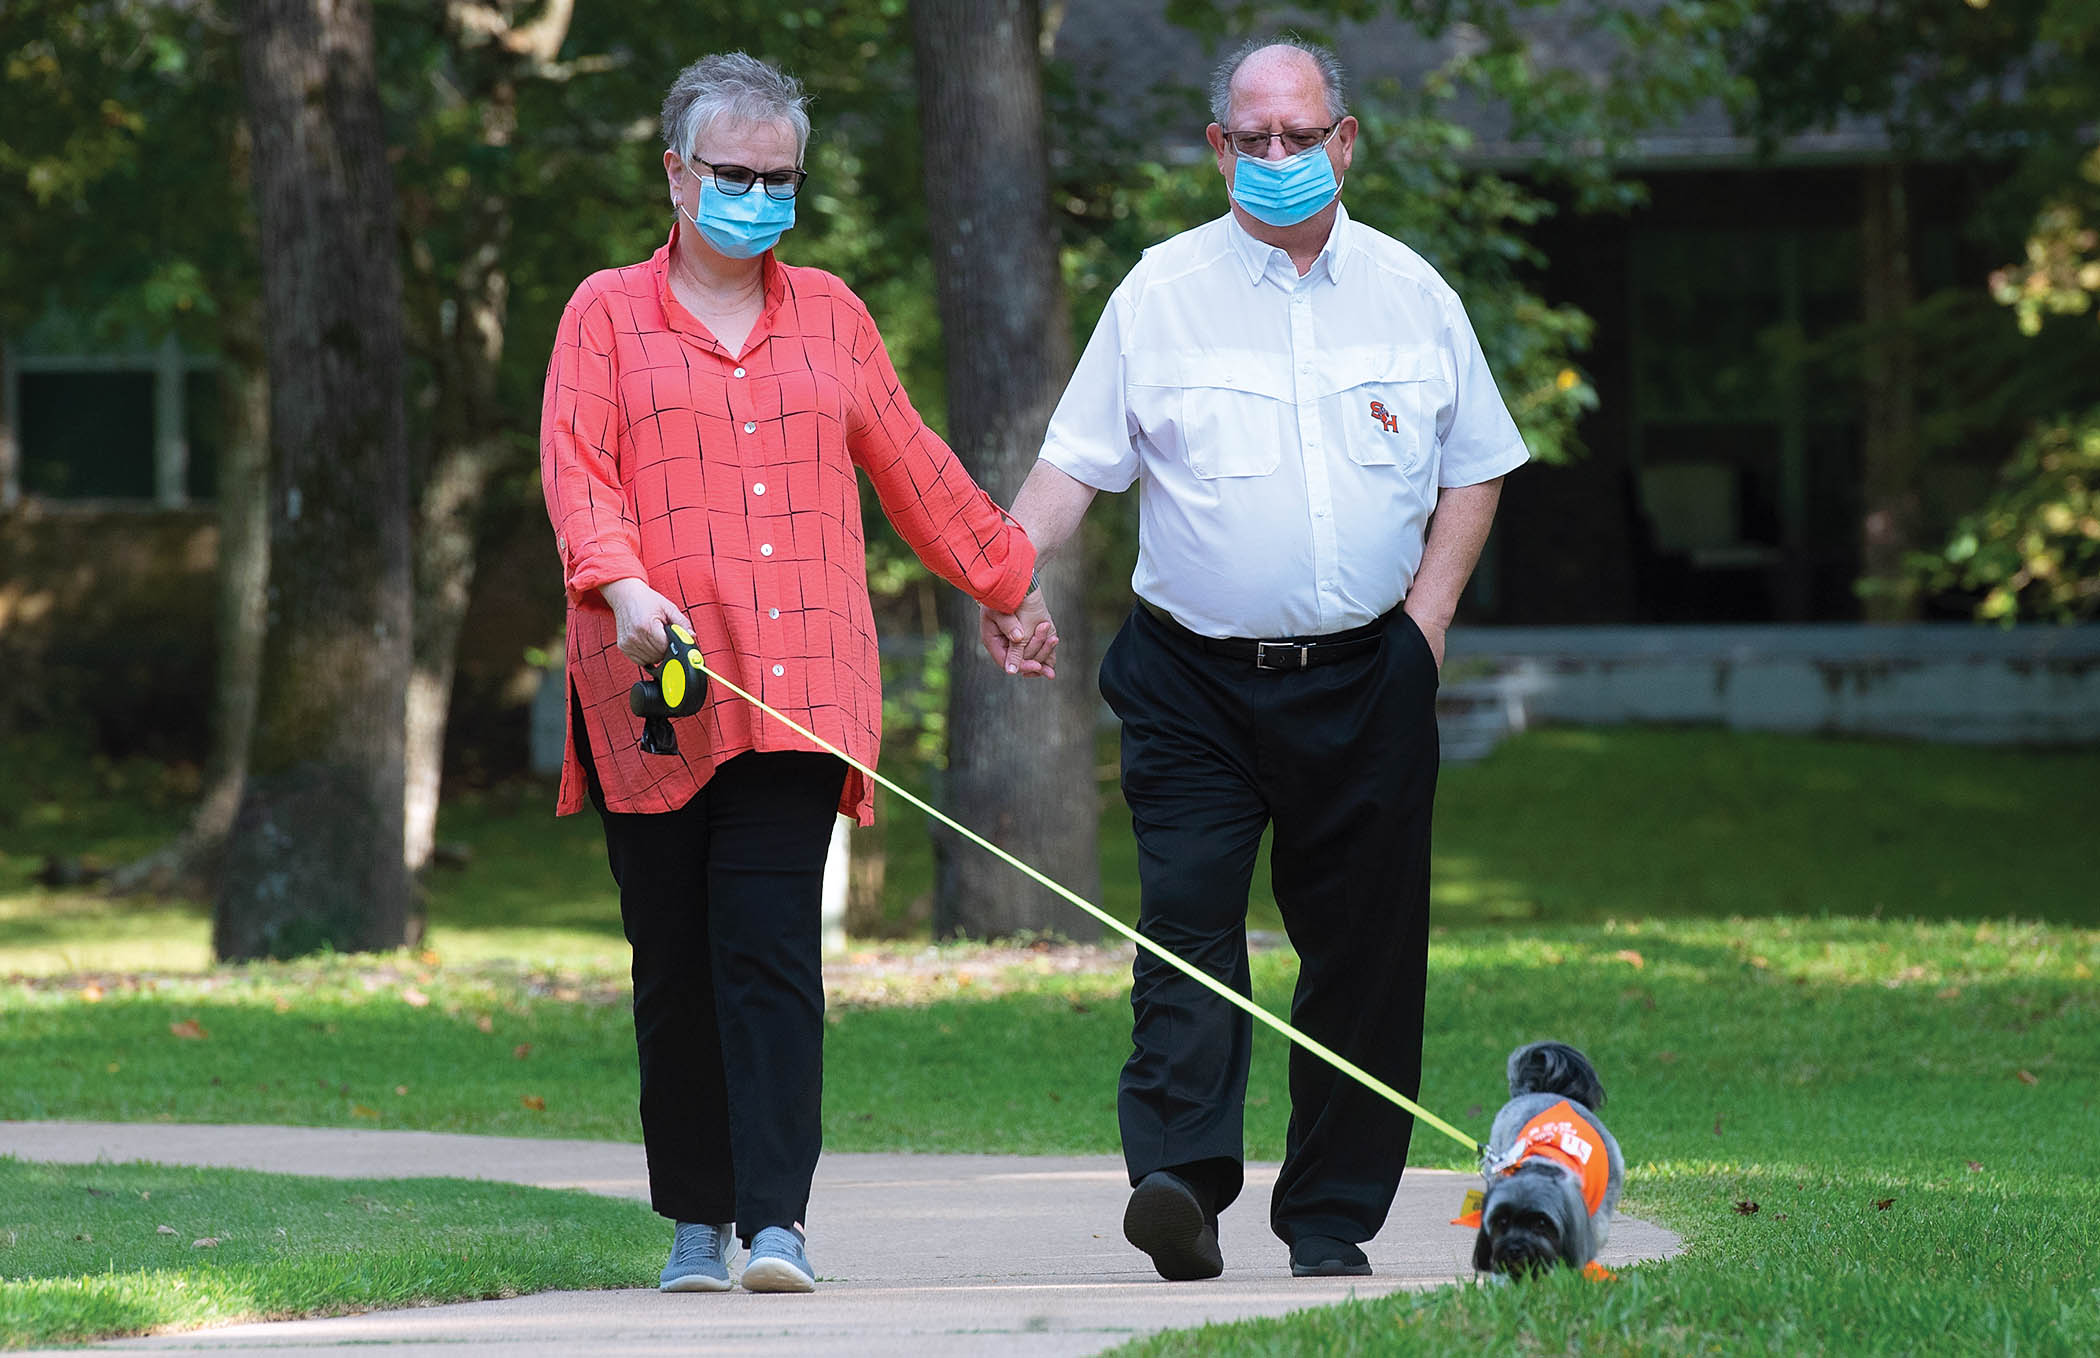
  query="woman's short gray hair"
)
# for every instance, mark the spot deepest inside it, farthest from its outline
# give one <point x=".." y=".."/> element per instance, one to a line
<point x="738" y="87"/>
<point x="1331" y="78"/>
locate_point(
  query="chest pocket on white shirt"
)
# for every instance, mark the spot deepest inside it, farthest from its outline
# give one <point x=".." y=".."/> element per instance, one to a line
<point x="1385" y="402"/>
<point x="1225" y="412"/>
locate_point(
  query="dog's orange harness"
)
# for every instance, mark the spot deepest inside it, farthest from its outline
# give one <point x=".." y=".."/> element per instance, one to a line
<point x="1564" y="1136"/>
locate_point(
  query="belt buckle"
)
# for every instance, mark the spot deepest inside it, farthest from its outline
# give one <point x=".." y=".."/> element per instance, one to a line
<point x="1262" y="649"/>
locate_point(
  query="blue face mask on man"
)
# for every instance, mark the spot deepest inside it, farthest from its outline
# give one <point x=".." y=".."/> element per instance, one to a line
<point x="1285" y="192"/>
<point x="741" y="225"/>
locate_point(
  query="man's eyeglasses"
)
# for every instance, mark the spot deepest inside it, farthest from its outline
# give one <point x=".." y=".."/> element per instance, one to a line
<point x="736" y="180"/>
<point x="1296" y="140"/>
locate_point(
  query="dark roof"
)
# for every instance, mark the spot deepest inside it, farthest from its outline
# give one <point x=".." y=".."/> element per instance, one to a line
<point x="1119" y="46"/>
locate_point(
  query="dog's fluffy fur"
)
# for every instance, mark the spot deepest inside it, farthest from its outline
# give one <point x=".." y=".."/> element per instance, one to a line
<point x="1533" y="1215"/>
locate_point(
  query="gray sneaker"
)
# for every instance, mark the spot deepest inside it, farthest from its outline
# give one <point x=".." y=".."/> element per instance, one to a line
<point x="777" y="1263"/>
<point x="700" y="1258"/>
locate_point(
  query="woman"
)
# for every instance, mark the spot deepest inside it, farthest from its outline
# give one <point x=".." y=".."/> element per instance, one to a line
<point x="705" y="410"/>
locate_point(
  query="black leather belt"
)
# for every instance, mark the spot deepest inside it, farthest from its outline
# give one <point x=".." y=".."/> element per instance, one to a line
<point x="1289" y="653"/>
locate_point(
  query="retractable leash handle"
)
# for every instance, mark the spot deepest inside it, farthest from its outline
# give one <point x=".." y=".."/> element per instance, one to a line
<point x="677" y="689"/>
<point x="1310" y="1044"/>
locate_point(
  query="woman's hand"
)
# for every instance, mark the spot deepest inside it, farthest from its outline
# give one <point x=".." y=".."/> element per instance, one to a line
<point x="1021" y="643"/>
<point x="641" y="613"/>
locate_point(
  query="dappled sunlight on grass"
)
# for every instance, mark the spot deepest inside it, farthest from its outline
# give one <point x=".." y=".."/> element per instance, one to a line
<point x="91" y="1251"/>
<point x="1462" y="890"/>
<point x="48" y="931"/>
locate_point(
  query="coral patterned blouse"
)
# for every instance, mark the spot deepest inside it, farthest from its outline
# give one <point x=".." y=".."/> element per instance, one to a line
<point x="726" y="480"/>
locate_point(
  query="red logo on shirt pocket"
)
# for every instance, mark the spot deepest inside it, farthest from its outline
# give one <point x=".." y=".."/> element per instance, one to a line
<point x="1385" y="417"/>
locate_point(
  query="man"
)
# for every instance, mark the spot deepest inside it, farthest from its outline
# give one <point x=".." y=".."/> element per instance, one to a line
<point x="1319" y="448"/>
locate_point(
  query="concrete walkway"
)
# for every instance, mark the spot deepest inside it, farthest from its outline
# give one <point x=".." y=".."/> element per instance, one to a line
<point x="919" y="1255"/>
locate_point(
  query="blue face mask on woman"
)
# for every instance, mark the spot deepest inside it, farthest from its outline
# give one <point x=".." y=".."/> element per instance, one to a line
<point x="741" y="225"/>
<point x="1285" y="192"/>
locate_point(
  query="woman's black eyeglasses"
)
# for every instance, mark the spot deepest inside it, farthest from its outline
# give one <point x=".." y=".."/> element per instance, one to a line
<point x="736" y="180"/>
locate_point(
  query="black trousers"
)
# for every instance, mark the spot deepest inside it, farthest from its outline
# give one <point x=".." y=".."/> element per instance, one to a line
<point x="1342" y="759"/>
<point x="721" y="901"/>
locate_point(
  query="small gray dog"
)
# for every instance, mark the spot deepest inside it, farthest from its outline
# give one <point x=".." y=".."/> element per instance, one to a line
<point x="1552" y="1170"/>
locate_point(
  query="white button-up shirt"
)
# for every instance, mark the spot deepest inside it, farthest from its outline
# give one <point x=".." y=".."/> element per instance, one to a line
<point x="1288" y="434"/>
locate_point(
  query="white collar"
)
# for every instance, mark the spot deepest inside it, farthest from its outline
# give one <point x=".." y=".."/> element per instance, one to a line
<point x="1259" y="256"/>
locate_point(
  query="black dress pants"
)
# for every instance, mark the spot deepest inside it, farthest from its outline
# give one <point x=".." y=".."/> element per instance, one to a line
<point x="1342" y="759"/>
<point x="721" y="901"/>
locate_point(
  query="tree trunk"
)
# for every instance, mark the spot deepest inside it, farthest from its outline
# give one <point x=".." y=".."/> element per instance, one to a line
<point x="315" y="857"/>
<point x="1889" y="453"/>
<point x="463" y="331"/>
<point x="444" y="573"/>
<point x="1021" y="752"/>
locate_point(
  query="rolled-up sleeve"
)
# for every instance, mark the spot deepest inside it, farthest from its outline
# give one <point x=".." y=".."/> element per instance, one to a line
<point x="1090" y="434"/>
<point x="943" y="516"/>
<point x="1479" y="442"/>
<point x="594" y="525"/>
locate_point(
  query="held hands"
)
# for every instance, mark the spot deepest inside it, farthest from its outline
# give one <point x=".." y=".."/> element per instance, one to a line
<point x="1023" y="643"/>
<point x="640" y="613"/>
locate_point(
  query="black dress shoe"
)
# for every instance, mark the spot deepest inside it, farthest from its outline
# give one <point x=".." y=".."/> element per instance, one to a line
<point x="1169" y="1221"/>
<point x="1323" y="1256"/>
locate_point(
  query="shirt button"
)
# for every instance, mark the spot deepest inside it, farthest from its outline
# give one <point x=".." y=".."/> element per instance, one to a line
<point x="779" y="670"/>
<point x="751" y="426"/>
<point x="759" y="489"/>
<point x="738" y="373"/>
<point x="772" y="612"/>
<point x="766" y="550"/>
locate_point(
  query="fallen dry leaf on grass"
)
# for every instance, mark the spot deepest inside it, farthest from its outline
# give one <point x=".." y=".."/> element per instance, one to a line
<point x="91" y="993"/>
<point x="522" y="1050"/>
<point x="485" y="1023"/>
<point x="1630" y="958"/>
<point x="1883" y="1204"/>
<point x="534" y="1102"/>
<point x="210" y="1242"/>
<point x="413" y="997"/>
<point x="2026" y="1077"/>
<point x="189" y="1028"/>
<point x="358" y="1110"/>
<point x="1748" y="1209"/>
<point x="164" y="1230"/>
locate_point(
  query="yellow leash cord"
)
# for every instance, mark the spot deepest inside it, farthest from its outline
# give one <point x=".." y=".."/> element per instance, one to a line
<point x="1332" y="1058"/>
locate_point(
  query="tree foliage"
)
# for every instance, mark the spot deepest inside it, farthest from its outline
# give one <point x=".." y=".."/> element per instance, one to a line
<point x="119" y="167"/>
<point x="2033" y="551"/>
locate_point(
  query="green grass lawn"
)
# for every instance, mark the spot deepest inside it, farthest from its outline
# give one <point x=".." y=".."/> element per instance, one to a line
<point x="1557" y="826"/>
<point x="96" y="1250"/>
<point x="1795" y="963"/>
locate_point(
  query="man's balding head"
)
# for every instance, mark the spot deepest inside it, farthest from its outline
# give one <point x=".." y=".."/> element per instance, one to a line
<point x="1268" y="70"/>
